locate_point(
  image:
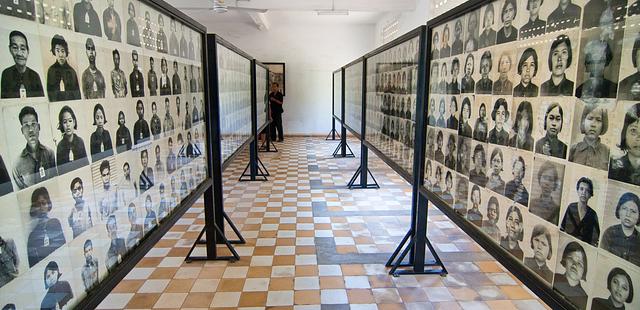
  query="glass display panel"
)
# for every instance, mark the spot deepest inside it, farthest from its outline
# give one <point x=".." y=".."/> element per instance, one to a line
<point x="392" y="78"/>
<point x="337" y="94"/>
<point x="532" y="136"/>
<point x="353" y="97"/>
<point x="102" y="135"/>
<point x="262" y="96"/>
<point x="234" y="86"/>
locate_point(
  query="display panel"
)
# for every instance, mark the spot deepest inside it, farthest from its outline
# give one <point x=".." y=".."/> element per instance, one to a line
<point x="532" y="124"/>
<point x="262" y="96"/>
<point x="234" y="86"/>
<point x="353" y="97"/>
<point x="392" y="77"/>
<point x="337" y="95"/>
<point x="103" y="136"/>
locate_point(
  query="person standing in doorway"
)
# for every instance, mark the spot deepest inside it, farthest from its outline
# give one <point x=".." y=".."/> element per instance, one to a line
<point x="276" y="99"/>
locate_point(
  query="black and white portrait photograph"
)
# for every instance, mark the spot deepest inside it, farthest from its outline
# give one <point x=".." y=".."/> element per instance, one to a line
<point x="541" y="248"/>
<point x="615" y="285"/>
<point x="100" y="142"/>
<point x="111" y="20"/>
<point x="467" y="83"/>
<point x="491" y="219"/>
<point x="59" y="292"/>
<point x="601" y="11"/>
<point x="457" y="47"/>
<point x="463" y="157"/>
<point x="55" y="13"/>
<point x="480" y="114"/>
<point x="519" y="170"/>
<point x="599" y="62"/>
<point x="565" y="15"/>
<point x="461" y="195"/>
<point x="527" y="69"/>
<point x="496" y="168"/>
<point x="484" y="85"/>
<point x="512" y="238"/>
<point x="503" y="85"/>
<point x="625" y="150"/>
<point x="465" y="123"/>
<point x="93" y="81"/>
<point x="574" y="270"/>
<point x="133" y="33"/>
<point x="71" y="151"/>
<point x="21" y="74"/>
<point x="85" y="18"/>
<point x="500" y="121"/>
<point x="62" y="77"/>
<point x="621" y="235"/>
<point x="507" y="31"/>
<point x="547" y="190"/>
<point x="562" y="57"/>
<point x="554" y="127"/>
<point x="591" y="135"/>
<point x="478" y="174"/>
<point x="136" y="78"/>
<point x="474" y="215"/>
<point x="582" y="207"/>
<point x="471" y="35"/>
<point x="487" y="23"/>
<point x="629" y="87"/>
<point x="521" y="132"/>
<point x="535" y="25"/>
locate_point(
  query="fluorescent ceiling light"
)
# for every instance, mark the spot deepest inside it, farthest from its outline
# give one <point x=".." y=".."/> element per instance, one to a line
<point x="332" y="12"/>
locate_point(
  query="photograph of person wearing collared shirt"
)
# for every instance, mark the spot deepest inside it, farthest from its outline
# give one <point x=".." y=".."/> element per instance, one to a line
<point x="62" y="80"/>
<point x="46" y="235"/>
<point x="85" y="18"/>
<point x="111" y="22"/>
<point x="629" y="87"/>
<point x="534" y="26"/>
<point x="80" y="219"/>
<point x="123" y="135"/>
<point x="560" y="58"/>
<point x="161" y="37"/>
<point x="90" y="268"/>
<point x="175" y="80"/>
<point x="141" y="132"/>
<point x="118" y="78"/>
<point x="527" y="69"/>
<point x="508" y="14"/>
<point x="548" y="190"/>
<point x="623" y="238"/>
<point x="36" y="162"/>
<point x="100" y="140"/>
<point x="591" y="151"/>
<point x="485" y="85"/>
<point x="20" y="81"/>
<point x="136" y="78"/>
<point x="580" y="220"/>
<point x="147" y="179"/>
<point x="488" y="35"/>
<point x="70" y="153"/>
<point x="93" y="83"/>
<point x="565" y="16"/>
<point x="152" y="79"/>
<point x="133" y="34"/>
<point x="165" y="82"/>
<point x="626" y="168"/>
<point x="148" y="37"/>
<point x="550" y="144"/>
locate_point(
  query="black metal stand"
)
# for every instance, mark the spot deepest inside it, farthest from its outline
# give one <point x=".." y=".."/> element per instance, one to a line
<point x="257" y="170"/>
<point x="341" y="149"/>
<point x="234" y="257"/>
<point x="363" y="172"/>
<point x="333" y="133"/>
<point x="266" y="145"/>
<point x="415" y="243"/>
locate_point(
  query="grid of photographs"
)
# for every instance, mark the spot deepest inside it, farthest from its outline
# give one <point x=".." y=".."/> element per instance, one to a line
<point x="234" y="86"/>
<point x="99" y="144"/>
<point x="533" y="135"/>
<point x="337" y="94"/>
<point x="262" y="96"/>
<point x="392" y="78"/>
<point x="353" y="97"/>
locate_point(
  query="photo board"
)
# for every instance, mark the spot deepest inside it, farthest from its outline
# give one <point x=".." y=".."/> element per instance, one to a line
<point x="353" y="97"/>
<point x="262" y="97"/>
<point x="531" y="138"/>
<point x="392" y="92"/>
<point x="103" y="133"/>
<point x="337" y="95"/>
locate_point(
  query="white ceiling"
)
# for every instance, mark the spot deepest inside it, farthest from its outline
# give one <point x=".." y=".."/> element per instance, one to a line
<point x="294" y="11"/>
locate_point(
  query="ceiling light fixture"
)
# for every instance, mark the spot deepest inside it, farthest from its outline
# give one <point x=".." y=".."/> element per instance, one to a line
<point x="333" y="11"/>
<point x="219" y="6"/>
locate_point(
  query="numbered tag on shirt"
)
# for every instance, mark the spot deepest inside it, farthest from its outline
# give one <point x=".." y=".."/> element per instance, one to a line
<point x="23" y="92"/>
<point x="46" y="240"/>
<point x="71" y="155"/>
<point x="95" y="86"/>
<point x="137" y="87"/>
<point x="86" y="18"/>
<point x="42" y="172"/>
<point x="16" y="2"/>
<point x="122" y="141"/>
<point x="102" y="147"/>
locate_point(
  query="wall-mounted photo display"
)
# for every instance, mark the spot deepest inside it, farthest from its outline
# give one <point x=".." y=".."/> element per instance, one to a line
<point x="392" y="127"/>
<point x="545" y="162"/>
<point x="337" y="94"/>
<point x="96" y="125"/>
<point x="353" y="96"/>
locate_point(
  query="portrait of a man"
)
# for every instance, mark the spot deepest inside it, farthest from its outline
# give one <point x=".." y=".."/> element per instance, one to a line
<point x="36" y="162"/>
<point x="85" y="18"/>
<point x="62" y="80"/>
<point x="560" y="57"/>
<point x="136" y="79"/>
<point x="118" y="78"/>
<point x="20" y="81"/>
<point x="141" y="132"/>
<point x="111" y="22"/>
<point x="93" y="83"/>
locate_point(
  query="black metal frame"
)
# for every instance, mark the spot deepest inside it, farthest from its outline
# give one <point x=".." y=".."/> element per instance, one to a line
<point x="284" y="76"/>
<point x="360" y="60"/>
<point x="341" y="149"/>
<point x="96" y="295"/>
<point x="531" y="280"/>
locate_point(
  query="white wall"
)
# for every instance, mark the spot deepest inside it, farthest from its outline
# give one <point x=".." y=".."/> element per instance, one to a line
<point x="310" y="53"/>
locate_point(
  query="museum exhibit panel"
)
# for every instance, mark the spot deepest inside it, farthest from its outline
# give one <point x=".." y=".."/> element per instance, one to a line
<point x="353" y="97"/>
<point x="104" y="144"/>
<point x="530" y="133"/>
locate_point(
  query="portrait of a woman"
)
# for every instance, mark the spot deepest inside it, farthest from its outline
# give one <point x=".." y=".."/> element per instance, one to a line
<point x="468" y="83"/>
<point x="488" y="35"/>
<point x="627" y="167"/>
<point x="70" y="153"/>
<point x="496" y="162"/>
<point x="574" y="261"/>
<point x="100" y="141"/>
<point x="490" y="225"/>
<point x="620" y="288"/>
<point x="542" y="251"/>
<point x="465" y="115"/>
<point x="623" y="239"/>
<point x="580" y="220"/>
<point x="508" y="32"/>
<point x="500" y="113"/>
<point x="473" y="214"/>
<point x="549" y="180"/>
<point x="527" y="69"/>
<point x="503" y="86"/>
<point x="481" y="128"/>
<point x="522" y="127"/>
<point x="514" y="226"/>
<point x="591" y="151"/>
<point x="515" y="189"/>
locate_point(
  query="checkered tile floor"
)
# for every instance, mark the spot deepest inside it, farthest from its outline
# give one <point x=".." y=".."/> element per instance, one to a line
<point x="313" y="244"/>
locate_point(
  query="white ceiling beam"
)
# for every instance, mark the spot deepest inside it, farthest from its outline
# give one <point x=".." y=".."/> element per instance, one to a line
<point x="260" y="20"/>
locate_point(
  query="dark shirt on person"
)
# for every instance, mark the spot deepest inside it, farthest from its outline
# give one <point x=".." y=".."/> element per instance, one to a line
<point x="565" y="88"/>
<point x="487" y="38"/>
<point x="502" y="37"/>
<point x="177" y="87"/>
<point x="21" y="8"/>
<point x="123" y="139"/>
<point x="171" y="162"/>
<point x="85" y="20"/>
<point x="479" y="178"/>
<point x="9" y="261"/>
<point x="526" y="145"/>
<point x="13" y="81"/>
<point x="44" y="239"/>
<point x="100" y="144"/>
<point x="465" y="130"/>
<point x="531" y="90"/>
<point x="543" y="271"/>
<point x="546" y="208"/>
<point x="276" y="108"/>
<point x="604" y="89"/>
<point x="148" y="38"/>
<point x="587" y="229"/>
<point x="174" y="47"/>
<point x="184" y="49"/>
<point x="454" y="88"/>
<point x="484" y="86"/>
<point x="501" y="87"/>
<point x="133" y="34"/>
<point x="516" y="251"/>
<point x="456" y="47"/>
<point x="498" y="137"/>
<point x="136" y="80"/>
<point x="57" y="296"/>
<point x="147" y="180"/>
<point x="165" y="85"/>
<point x="62" y="83"/>
<point x="141" y="132"/>
<point x="626" y="86"/>
<point x="71" y="155"/>
<point x="5" y="180"/>
<point x="93" y="84"/>
<point x="557" y="147"/>
<point x="32" y="168"/>
<point x="480" y="130"/>
<point x="604" y="304"/>
<point x="517" y="192"/>
<point x="156" y="126"/>
<point x="595" y="155"/>
<point x="617" y="242"/>
<point x="561" y="19"/>
<point x="595" y="8"/>
<point x="532" y="28"/>
<point x="467" y="84"/>
<point x="152" y="83"/>
<point x="452" y="122"/>
<point x="575" y="294"/>
<point x="111" y="24"/>
<point x="445" y="51"/>
<point x="117" y="249"/>
<point x="161" y="42"/>
<point x="622" y="170"/>
<point x="474" y="216"/>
